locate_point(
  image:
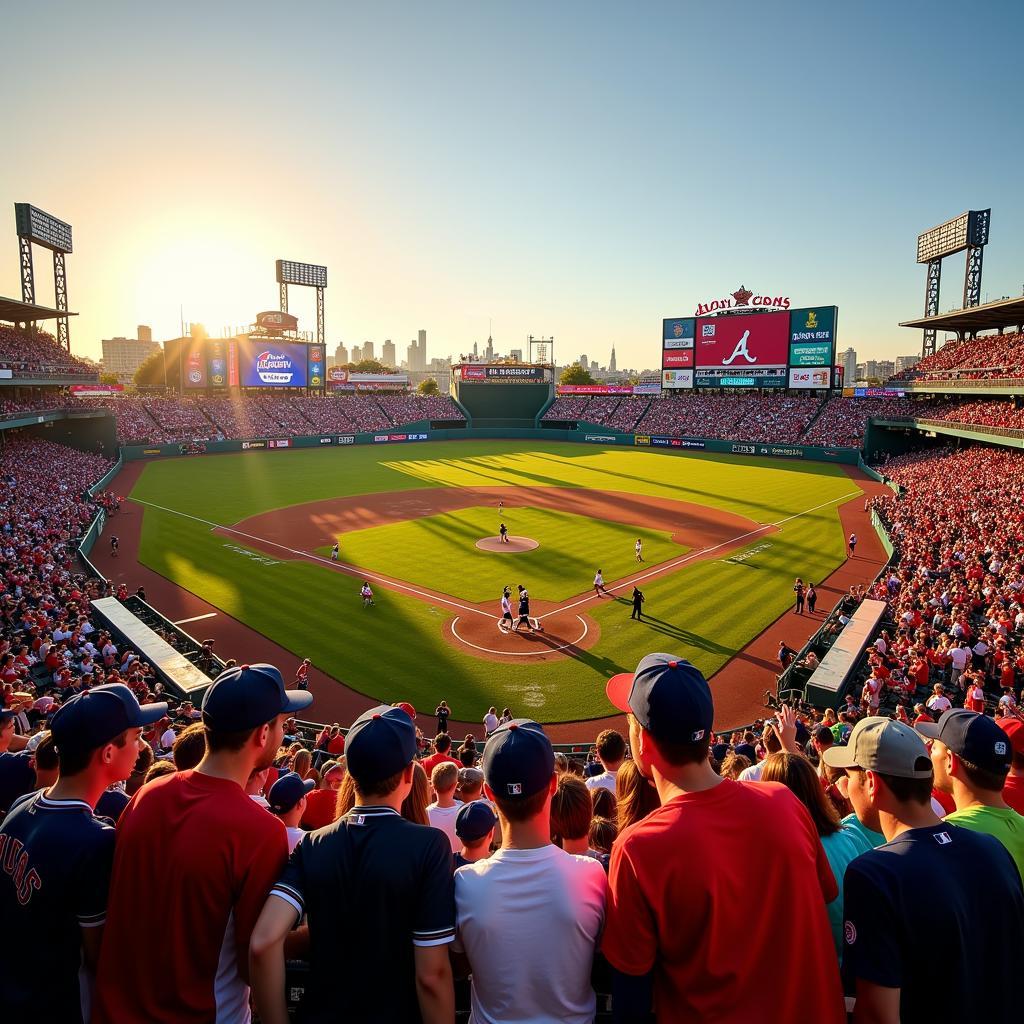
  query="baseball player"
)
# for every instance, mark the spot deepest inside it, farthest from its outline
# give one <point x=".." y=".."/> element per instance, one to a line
<point x="638" y="547"/>
<point x="599" y="584"/>
<point x="505" y="622"/>
<point x="334" y="552"/>
<point x="366" y="594"/>
<point x="114" y="545"/>
<point x="853" y="543"/>
<point x="503" y="533"/>
<point x="501" y="508"/>
<point x="533" y="625"/>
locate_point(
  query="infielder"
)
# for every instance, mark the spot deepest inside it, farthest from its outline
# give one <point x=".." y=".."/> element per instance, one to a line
<point x="505" y="622"/>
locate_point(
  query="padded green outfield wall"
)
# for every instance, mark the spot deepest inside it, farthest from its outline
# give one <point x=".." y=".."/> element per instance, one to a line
<point x="416" y="433"/>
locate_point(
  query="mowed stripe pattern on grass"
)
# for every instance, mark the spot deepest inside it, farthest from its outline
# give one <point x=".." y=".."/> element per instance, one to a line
<point x="397" y="650"/>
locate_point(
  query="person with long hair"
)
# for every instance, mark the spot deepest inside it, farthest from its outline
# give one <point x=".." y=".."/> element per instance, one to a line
<point x="635" y="796"/>
<point x="797" y="774"/>
<point x="414" y="806"/>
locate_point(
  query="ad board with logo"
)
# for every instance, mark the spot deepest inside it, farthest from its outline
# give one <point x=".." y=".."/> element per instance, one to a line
<point x="275" y="322"/>
<point x="817" y="324"/>
<point x="193" y="363"/>
<point x="316" y="366"/>
<point x="740" y="343"/>
<point x="263" y="364"/>
<point x="676" y="379"/>
<point x="217" y="363"/>
<point x="810" y="377"/>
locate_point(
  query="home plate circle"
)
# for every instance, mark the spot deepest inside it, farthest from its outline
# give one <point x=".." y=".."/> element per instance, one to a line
<point x="513" y="545"/>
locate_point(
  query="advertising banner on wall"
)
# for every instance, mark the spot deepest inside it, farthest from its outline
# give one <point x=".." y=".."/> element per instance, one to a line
<point x="216" y="363"/>
<point x="677" y="378"/>
<point x="817" y="324"/>
<point x="264" y="364"/>
<point x="677" y="359"/>
<point x="677" y="333"/>
<point x="752" y="377"/>
<point x="810" y="353"/>
<point x="810" y="377"/>
<point x="316" y="366"/>
<point x="193" y="363"/>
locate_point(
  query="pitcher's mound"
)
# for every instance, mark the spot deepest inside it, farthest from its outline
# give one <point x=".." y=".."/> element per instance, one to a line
<point x="514" y="544"/>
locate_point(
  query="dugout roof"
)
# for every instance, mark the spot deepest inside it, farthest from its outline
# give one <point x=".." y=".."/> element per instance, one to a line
<point x="15" y="312"/>
<point x="989" y="317"/>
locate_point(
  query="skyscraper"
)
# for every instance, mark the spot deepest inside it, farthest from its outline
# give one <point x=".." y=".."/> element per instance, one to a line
<point x="340" y="354"/>
<point x="489" y="351"/>
<point x="368" y="350"/>
<point x="388" y="355"/>
<point x="357" y="353"/>
<point x="584" y="361"/>
<point x="611" y="362"/>
<point x="422" y="350"/>
<point x="849" y="363"/>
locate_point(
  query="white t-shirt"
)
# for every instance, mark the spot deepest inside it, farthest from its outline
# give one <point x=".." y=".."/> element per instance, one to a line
<point x="295" y="834"/>
<point x="528" y="921"/>
<point x="444" y="819"/>
<point x="491" y="722"/>
<point x="938" y="702"/>
<point x="958" y="656"/>
<point x="598" y="580"/>
<point x="168" y="738"/>
<point x="606" y="780"/>
<point x="753" y="773"/>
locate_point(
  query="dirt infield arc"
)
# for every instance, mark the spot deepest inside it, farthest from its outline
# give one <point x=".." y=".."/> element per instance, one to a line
<point x="566" y="629"/>
<point x="738" y="685"/>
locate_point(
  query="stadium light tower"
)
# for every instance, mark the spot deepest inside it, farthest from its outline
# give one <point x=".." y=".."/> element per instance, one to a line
<point x="968" y="231"/>
<point x="310" y="275"/>
<point x="37" y="227"/>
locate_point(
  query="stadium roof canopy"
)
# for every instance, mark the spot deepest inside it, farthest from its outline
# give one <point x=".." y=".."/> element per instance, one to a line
<point x="14" y="312"/>
<point x="989" y="317"/>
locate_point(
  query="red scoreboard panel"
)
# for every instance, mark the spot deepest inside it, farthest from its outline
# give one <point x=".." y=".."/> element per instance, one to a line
<point x="742" y="351"/>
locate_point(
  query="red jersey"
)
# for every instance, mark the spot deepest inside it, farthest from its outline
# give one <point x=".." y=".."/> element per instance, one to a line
<point x="707" y="889"/>
<point x="430" y="763"/>
<point x="319" y="810"/>
<point x="196" y="858"/>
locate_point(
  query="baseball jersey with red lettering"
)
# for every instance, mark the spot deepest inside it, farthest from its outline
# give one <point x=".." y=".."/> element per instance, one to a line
<point x="196" y="858"/>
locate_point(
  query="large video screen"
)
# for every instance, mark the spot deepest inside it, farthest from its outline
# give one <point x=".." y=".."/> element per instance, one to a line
<point x="742" y="351"/>
<point x="267" y="364"/>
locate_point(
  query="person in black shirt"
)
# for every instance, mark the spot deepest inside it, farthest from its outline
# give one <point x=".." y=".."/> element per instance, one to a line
<point x="930" y="882"/>
<point x="56" y="857"/>
<point x="378" y="894"/>
<point x="442" y="711"/>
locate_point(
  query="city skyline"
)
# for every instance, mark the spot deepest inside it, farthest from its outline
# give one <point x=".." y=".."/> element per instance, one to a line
<point x="567" y="182"/>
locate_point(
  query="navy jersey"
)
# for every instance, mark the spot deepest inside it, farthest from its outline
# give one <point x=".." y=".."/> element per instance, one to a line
<point x="55" y="859"/>
<point x="929" y="886"/>
<point x="17" y="777"/>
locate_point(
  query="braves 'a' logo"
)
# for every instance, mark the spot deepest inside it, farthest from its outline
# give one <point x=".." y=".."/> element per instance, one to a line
<point x="740" y="350"/>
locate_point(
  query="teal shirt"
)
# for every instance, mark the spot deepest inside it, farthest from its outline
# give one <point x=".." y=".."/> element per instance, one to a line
<point x="862" y="834"/>
<point x="840" y="848"/>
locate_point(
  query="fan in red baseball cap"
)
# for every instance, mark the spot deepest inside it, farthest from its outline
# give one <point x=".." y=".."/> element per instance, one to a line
<point x="1013" y="788"/>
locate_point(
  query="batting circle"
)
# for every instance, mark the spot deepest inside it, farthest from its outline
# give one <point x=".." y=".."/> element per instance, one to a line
<point x="521" y="654"/>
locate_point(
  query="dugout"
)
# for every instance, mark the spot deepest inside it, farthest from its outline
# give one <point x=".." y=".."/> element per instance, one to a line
<point x="503" y="403"/>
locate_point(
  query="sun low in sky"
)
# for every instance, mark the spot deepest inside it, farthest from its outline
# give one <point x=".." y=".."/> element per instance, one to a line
<point x="578" y="170"/>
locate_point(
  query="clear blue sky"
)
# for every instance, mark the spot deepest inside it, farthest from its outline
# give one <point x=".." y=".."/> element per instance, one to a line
<point x="575" y="169"/>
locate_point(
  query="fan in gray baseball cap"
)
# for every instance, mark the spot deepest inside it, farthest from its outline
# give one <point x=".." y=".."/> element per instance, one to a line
<point x="884" y="746"/>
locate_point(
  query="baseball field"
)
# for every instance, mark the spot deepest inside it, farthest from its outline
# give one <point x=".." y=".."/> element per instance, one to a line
<point x="722" y="540"/>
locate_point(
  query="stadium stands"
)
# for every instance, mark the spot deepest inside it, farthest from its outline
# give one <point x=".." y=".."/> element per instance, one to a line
<point x="990" y="356"/>
<point x="37" y="354"/>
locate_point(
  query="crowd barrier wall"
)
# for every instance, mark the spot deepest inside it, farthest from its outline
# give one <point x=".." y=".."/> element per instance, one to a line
<point x="585" y="433"/>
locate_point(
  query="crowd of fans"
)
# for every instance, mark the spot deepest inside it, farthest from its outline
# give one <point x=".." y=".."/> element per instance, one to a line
<point x="37" y="354"/>
<point x="990" y="356"/>
<point x="159" y="856"/>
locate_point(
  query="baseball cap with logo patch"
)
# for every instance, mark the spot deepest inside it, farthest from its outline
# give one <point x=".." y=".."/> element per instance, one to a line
<point x="975" y="738"/>
<point x="668" y="697"/>
<point x="518" y="760"/>
<point x="884" y="746"/>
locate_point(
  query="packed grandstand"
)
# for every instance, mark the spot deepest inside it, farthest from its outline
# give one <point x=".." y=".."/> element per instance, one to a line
<point x="950" y="636"/>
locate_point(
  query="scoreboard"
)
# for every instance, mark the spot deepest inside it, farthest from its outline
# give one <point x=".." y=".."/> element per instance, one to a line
<point x="786" y="348"/>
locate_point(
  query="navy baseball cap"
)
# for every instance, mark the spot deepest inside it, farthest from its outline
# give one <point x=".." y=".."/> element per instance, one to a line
<point x="94" y="717"/>
<point x="474" y="820"/>
<point x="248" y="696"/>
<point x="668" y="697"/>
<point x="518" y="760"/>
<point x="289" y="789"/>
<point x="381" y="742"/>
<point x="976" y="738"/>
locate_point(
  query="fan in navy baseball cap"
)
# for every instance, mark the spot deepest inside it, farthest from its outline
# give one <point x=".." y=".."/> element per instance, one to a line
<point x="92" y="719"/>
<point x="974" y="738"/>
<point x="518" y="761"/>
<point x="248" y="696"/>
<point x="380" y="744"/>
<point x="474" y="820"/>
<point x="288" y="791"/>
<point x="668" y="697"/>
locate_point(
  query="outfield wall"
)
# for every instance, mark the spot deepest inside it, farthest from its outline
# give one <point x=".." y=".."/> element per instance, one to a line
<point x="586" y="433"/>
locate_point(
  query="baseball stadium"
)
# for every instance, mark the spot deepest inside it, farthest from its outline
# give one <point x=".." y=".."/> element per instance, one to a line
<point x="675" y="681"/>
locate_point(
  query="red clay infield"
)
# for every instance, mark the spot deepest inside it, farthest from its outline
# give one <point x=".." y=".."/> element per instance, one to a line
<point x="738" y="686"/>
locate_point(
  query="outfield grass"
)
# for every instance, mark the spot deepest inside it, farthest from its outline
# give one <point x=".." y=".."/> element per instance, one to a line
<point x="706" y="612"/>
<point x="439" y="552"/>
